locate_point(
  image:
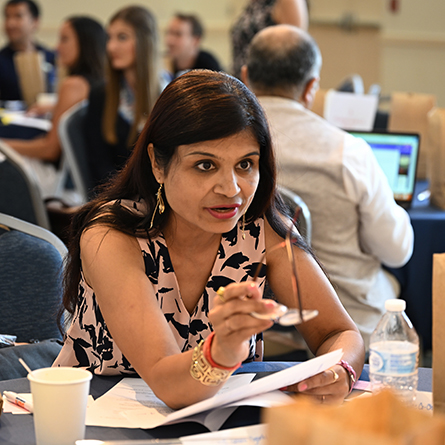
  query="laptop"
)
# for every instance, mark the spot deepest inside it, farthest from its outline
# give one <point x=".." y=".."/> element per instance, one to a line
<point x="398" y="155"/>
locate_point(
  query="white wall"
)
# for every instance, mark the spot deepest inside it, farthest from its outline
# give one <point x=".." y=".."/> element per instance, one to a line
<point x="413" y="48"/>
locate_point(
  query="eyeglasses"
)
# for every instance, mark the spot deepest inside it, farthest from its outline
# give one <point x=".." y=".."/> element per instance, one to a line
<point x="282" y="314"/>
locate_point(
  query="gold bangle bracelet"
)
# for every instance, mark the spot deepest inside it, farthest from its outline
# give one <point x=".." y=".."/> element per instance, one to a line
<point x="204" y="372"/>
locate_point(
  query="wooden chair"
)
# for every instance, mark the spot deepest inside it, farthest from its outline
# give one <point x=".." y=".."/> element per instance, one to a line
<point x="436" y="156"/>
<point x="28" y="65"/>
<point x="318" y="105"/>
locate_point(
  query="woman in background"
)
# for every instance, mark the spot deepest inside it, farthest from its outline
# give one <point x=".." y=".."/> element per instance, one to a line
<point x="258" y="15"/>
<point x="118" y="110"/>
<point x="81" y="50"/>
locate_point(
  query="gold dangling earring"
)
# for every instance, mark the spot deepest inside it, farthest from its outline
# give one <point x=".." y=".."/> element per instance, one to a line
<point x="159" y="205"/>
<point x="243" y="226"/>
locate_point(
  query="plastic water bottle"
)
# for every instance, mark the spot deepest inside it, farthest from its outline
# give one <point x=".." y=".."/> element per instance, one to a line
<point x="394" y="353"/>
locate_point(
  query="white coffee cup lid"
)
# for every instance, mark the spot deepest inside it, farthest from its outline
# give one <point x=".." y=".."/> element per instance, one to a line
<point x="395" y="305"/>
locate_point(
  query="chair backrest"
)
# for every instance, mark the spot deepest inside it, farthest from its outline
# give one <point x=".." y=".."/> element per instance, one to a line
<point x="72" y="139"/>
<point x="408" y="112"/>
<point x="436" y="156"/>
<point x="318" y="104"/>
<point x="28" y="65"/>
<point x="31" y="263"/>
<point x="294" y="202"/>
<point x="352" y="83"/>
<point x="19" y="191"/>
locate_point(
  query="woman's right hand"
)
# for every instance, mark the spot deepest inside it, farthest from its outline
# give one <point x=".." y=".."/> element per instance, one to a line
<point x="37" y="110"/>
<point x="233" y="324"/>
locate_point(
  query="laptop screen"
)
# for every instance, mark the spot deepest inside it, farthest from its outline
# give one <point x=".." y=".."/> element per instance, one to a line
<point x="397" y="154"/>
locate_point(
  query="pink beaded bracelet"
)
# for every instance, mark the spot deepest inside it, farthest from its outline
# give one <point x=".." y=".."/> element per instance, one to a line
<point x="351" y="372"/>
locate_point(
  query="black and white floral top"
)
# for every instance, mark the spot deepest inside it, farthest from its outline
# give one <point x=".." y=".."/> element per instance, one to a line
<point x="88" y="341"/>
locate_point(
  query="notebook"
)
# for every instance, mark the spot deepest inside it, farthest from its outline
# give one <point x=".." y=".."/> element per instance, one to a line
<point x="398" y="155"/>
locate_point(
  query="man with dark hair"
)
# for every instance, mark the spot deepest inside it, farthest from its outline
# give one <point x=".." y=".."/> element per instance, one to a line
<point x="356" y="224"/>
<point x="21" y="20"/>
<point x="183" y="39"/>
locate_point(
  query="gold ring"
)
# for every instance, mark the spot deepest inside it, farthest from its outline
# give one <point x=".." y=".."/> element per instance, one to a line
<point x="220" y="293"/>
<point x="335" y="375"/>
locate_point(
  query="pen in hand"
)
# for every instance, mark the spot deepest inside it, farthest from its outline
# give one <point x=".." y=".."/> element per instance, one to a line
<point x="17" y="400"/>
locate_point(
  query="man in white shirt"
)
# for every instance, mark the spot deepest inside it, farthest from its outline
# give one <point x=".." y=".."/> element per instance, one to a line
<point x="356" y="225"/>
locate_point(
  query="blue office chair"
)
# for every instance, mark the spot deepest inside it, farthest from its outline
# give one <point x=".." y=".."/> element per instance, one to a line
<point x="294" y="202"/>
<point x="19" y="191"/>
<point x="31" y="262"/>
<point x="283" y="342"/>
<point x="72" y="139"/>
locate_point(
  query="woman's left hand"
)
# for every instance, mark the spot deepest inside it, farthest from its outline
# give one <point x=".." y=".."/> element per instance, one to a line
<point x="330" y="386"/>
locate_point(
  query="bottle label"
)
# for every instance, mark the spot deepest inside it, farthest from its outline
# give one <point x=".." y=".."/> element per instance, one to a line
<point x="392" y="362"/>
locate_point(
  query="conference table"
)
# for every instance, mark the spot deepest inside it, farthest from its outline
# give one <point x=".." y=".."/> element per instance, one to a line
<point x="416" y="276"/>
<point x="18" y="429"/>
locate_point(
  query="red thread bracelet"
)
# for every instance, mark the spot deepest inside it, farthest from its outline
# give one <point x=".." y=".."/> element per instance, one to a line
<point x="207" y="355"/>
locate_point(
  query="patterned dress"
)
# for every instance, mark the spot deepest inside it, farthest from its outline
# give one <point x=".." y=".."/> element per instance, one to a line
<point x="88" y="342"/>
<point x="256" y="16"/>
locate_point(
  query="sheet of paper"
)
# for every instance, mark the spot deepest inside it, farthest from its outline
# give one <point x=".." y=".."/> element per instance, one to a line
<point x="286" y="377"/>
<point x="214" y="419"/>
<point x="350" y="111"/>
<point x="19" y="118"/>
<point x="132" y="404"/>
<point x="424" y="399"/>
<point x="9" y="407"/>
<point x="250" y="435"/>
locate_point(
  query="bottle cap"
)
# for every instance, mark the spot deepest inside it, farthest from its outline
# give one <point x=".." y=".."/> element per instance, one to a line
<point x="395" y="305"/>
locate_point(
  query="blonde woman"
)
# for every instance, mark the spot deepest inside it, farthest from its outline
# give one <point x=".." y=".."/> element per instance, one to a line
<point x="118" y="110"/>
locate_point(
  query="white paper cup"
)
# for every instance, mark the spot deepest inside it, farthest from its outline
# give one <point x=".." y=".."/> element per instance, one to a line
<point x="46" y="98"/>
<point x="59" y="403"/>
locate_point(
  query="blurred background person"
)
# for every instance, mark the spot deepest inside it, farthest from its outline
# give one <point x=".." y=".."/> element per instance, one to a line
<point x="118" y="109"/>
<point x="81" y="50"/>
<point x="21" y="22"/>
<point x="357" y="227"/>
<point x="183" y="39"/>
<point x="259" y="14"/>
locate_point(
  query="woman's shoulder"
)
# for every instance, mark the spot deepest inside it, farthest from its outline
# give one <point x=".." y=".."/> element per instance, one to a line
<point x="74" y="82"/>
<point x="100" y="226"/>
<point x="73" y="89"/>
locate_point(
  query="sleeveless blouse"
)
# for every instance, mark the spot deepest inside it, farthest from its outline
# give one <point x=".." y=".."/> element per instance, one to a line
<point x="88" y="343"/>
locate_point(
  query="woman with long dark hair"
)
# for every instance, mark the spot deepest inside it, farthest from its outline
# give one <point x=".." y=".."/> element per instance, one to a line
<point x="160" y="278"/>
<point x="81" y="50"/>
<point x="118" y="110"/>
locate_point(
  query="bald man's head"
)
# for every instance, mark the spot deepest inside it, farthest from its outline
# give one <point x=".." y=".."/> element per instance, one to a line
<point x="282" y="58"/>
